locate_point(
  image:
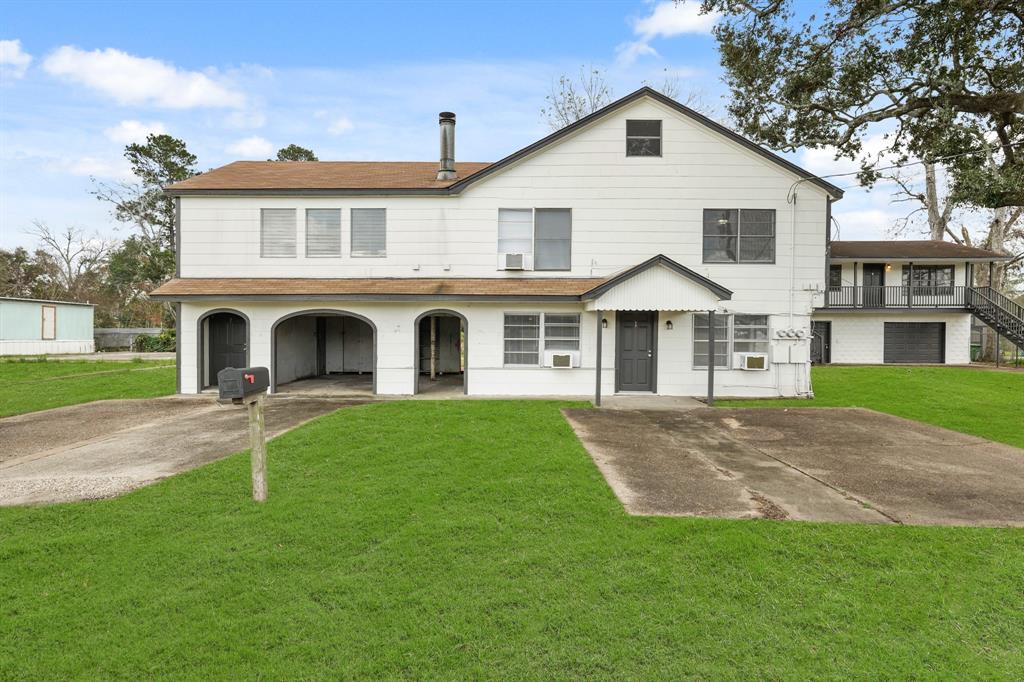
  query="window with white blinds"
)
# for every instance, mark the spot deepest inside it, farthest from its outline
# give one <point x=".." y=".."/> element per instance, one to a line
<point x="515" y="230"/>
<point x="277" y="232"/>
<point x="369" y="232"/>
<point x="553" y="236"/>
<point x="323" y="232"/>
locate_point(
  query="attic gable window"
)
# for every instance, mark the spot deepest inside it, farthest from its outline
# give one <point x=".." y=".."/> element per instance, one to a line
<point x="643" y="138"/>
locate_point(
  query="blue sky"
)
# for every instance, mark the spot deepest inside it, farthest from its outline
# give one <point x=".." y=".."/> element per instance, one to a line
<point x="350" y="80"/>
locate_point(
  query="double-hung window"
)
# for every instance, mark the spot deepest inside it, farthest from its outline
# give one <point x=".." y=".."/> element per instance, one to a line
<point x="733" y="334"/>
<point x="835" y="276"/>
<point x="544" y="233"/>
<point x="643" y="138"/>
<point x="930" y="280"/>
<point x="526" y="334"/>
<point x="734" y="235"/>
<point x="369" y="232"/>
<point x="277" y="232"/>
<point x="323" y="232"/>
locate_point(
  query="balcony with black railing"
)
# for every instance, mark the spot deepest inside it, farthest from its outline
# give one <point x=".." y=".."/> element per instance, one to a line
<point x="886" y="297"/>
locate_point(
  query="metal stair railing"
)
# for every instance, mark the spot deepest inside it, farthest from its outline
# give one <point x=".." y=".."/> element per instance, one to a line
<point x="1004" y="315"/>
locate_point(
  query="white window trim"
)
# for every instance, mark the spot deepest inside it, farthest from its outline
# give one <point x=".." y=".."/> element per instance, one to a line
<point x="541" y="336"/>
<point x="533" y="232"/>
<point x="730" y="337"/>
<point x="351" y="234"/>
<point x="259" y="231"/>
<point x="341" y="231"/>
<point x="739" y="237"/>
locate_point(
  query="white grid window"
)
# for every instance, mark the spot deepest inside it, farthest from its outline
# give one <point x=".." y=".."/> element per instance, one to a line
<point x="700" y="341"/>
<point x="561" y="332"/>
<point x="750" y="333"/>
<point x="522" y="339"/>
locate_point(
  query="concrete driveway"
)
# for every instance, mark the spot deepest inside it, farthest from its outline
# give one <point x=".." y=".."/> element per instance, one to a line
<point x="809" y="463"/>
<point x="109" y="447"/>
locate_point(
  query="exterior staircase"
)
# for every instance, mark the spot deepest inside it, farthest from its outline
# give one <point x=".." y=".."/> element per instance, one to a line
<point x="997" y="311"/>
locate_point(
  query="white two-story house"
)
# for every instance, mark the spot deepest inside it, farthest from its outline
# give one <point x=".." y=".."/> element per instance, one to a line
<point x="599" y="259"/>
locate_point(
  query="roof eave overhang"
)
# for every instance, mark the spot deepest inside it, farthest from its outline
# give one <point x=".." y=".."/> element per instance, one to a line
<point x="341" y="191"/>
<point x="555" y="298"/>
<point x="932" y="259"/>
<point x="715" y="288"/>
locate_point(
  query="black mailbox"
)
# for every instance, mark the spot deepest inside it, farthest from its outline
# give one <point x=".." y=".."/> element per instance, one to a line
<point x="238" y="385"/>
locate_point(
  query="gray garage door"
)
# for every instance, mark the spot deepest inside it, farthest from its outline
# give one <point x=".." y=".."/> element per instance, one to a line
<point x="915" y="342"/>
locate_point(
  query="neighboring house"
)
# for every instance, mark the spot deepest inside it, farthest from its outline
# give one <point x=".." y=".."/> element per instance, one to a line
<point x="35" y="327"/>
<point x="907" y="302"/>
<point x="595" y="260"/>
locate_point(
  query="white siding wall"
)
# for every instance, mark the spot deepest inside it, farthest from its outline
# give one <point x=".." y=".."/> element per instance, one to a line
<point x="46" y="347"/>
<point x="625" y="209"/>
<point x="859" y="338"/>
<point x="487" y="375"/>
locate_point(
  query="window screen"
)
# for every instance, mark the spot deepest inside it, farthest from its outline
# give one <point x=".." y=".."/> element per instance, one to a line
<point x="522" y="339"/>
<point x="553" y="239"/>
<point x="323" y="232"/>
<point x="515" y="230"/>
<point x="561" y="332"/>
<point x="750" y="333"/>
<point x="835" y="276"/>
<point x="369" y="232"/>
<point x="700" y="340"/>
<point x="739" y="235"/>
<point x="930" y="279"/>
<point x="277" y="232"/>
<point x="643" y="138"/>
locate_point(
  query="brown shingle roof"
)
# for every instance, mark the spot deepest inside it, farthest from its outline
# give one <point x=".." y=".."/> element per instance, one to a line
<point x="324" y="175"/>
<point x="910" y="249"/>
<point x="408" y="287"/>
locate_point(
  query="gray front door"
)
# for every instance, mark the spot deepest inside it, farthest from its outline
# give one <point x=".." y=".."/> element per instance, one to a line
<point x="227" y="343"/>
<point x="874" y="283"/>
<point x="821" y="343"/>
<point x="636" y="351"/>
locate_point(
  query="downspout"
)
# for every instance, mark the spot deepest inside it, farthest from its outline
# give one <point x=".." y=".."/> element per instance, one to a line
<point x="792" y="263"/>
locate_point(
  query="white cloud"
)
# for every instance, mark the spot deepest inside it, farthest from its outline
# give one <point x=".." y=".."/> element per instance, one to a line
<point x="92" y="166"/>
<point x="668" y="19"/>
<point x="139" y="80"/>
<point x="245" y="119"/>
<point x="340" y="126"/>
<point x="127" y="132"/>
<point x="627" y="53"/>
<point x="13" y="60"/>
<point x="672" y="19"/>
<point x="254" y="147"/>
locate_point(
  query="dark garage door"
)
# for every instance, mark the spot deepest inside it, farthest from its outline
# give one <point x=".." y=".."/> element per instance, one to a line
<point x="915" y="342"/>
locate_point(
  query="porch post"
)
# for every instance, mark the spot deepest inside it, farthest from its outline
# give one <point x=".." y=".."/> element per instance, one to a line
<point x="854" y="301"/>
<point x="910" y="285"/>
<point x="990" y="268"/>
<point x="711" y="358"/>
<point x="597" y="363"/>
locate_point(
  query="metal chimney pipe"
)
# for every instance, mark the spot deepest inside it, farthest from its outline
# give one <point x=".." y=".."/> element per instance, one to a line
<point x="446" y="171"/>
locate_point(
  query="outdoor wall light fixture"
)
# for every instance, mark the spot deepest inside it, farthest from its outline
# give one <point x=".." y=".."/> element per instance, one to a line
<point x="604" y="323"/>
<point x="668" y="325"/>
<point x="888" y="267"/>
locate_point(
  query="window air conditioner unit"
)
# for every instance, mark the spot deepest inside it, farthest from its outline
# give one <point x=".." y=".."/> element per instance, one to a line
<point x="753" y="361"/>
<point x="561" y="359"/>
<point x="515" y="261"/>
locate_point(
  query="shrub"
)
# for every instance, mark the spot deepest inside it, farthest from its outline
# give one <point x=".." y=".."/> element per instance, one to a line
<point x="163" y="342"/>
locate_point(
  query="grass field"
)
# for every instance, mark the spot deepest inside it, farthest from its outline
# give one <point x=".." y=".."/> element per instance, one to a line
<point x="476" y="539"/>
<point x="983" y="403"/>
<point x="28" y="386"/>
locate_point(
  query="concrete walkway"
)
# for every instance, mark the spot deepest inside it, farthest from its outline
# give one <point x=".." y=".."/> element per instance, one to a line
<point x="815" y="464"/>
<point x="109" y="447"/>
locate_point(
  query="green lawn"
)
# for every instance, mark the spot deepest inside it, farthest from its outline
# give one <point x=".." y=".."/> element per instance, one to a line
<point x="40" y="385"/>
<point x="983" y="403"/>
<point x="475" y="539"/>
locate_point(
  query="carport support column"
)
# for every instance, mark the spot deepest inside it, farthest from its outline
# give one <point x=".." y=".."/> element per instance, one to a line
<point x="597" y="362"/>
<point x="711" y="358"/>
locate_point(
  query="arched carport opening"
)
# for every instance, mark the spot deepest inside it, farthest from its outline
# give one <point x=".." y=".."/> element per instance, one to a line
<point x="223" y="342"/>
<point x="441" y="352"/>
<point x="324" y="352"/>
